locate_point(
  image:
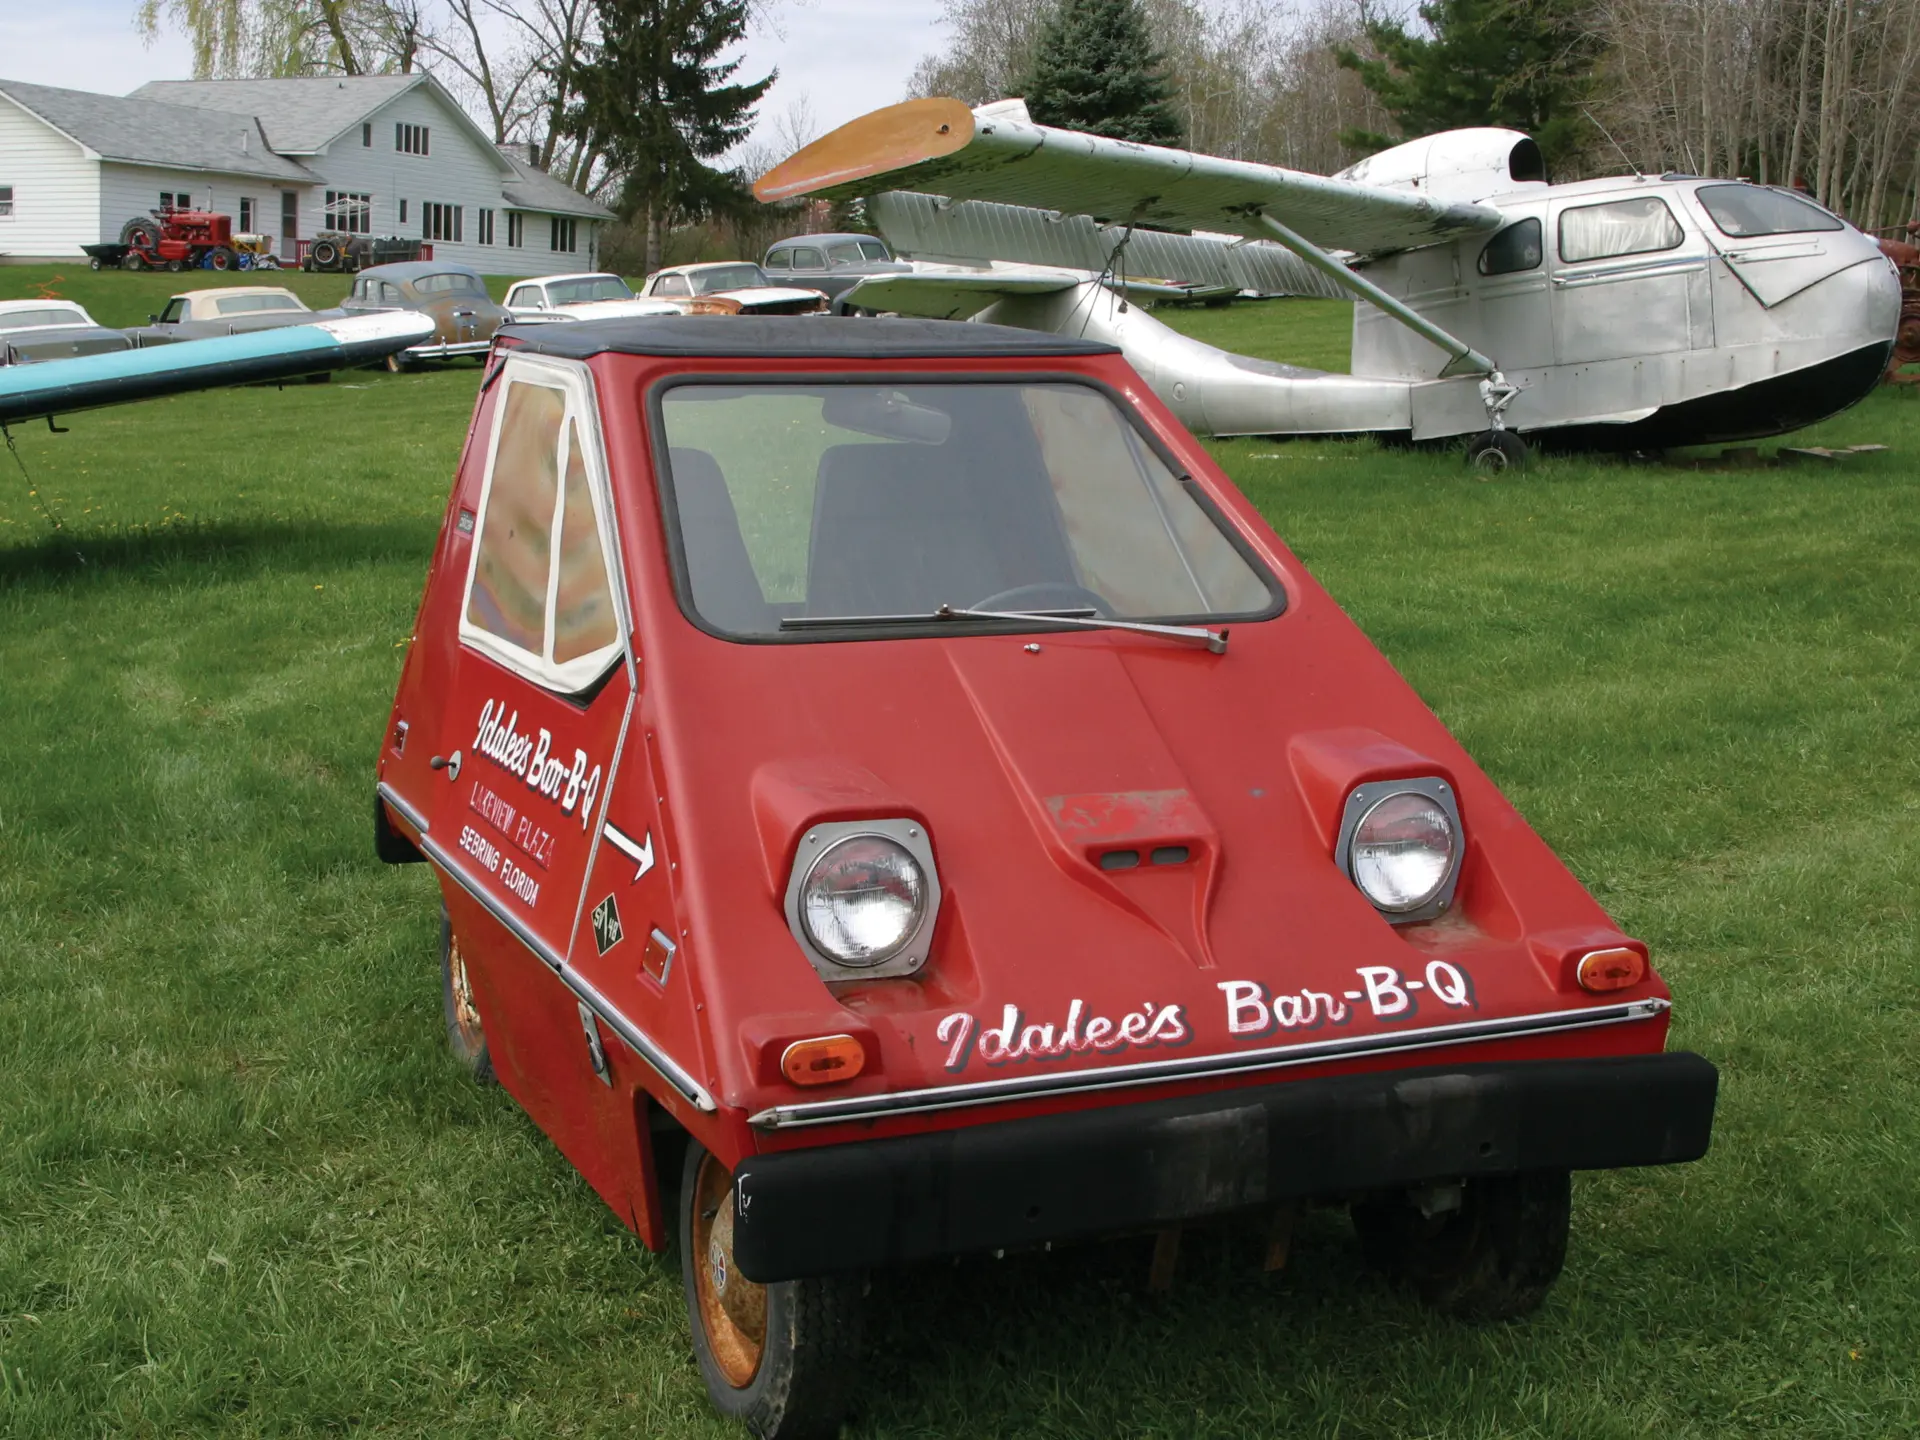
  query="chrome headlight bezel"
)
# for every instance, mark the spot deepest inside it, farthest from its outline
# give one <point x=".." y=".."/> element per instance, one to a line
<point x="909" y="835"/>
<point x="1361" y="801"/>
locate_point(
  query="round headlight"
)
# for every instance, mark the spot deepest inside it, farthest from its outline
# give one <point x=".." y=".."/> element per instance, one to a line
<point x="1402" y="851"/>
<point x="863" y="899"/>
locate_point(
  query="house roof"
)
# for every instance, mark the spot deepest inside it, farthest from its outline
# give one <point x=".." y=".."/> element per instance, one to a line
<point x="145" y="131"/>
<point x="300" y="114"/>
<point x="531" y="188"/>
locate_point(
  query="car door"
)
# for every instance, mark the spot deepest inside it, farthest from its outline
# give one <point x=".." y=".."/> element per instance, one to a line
<point x="1628" y="280"/>
<point x="1513" y="320"/>
<point x="540" y="697"/>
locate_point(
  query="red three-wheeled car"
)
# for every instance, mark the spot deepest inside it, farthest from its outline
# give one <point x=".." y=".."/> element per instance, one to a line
<point x="888" y="761"/>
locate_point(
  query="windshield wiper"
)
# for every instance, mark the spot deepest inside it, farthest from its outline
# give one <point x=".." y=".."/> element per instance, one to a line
<point x="1214" y="640"/>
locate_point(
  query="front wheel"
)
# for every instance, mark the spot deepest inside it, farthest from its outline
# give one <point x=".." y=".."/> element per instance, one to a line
<point x="465" y="1036"/>
<point x="1494" y="1256"/>
<point x="780" y="1358"/>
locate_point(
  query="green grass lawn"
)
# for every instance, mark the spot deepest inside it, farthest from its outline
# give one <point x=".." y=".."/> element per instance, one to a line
<point x="244" y="1191"/>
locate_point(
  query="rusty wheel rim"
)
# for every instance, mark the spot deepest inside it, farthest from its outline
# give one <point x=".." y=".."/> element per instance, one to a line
<point x="466" y="1015"/>
<point x="733" y="1309"/>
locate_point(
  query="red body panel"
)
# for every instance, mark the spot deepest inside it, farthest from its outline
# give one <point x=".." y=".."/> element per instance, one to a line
<point x="1024" y="757"/>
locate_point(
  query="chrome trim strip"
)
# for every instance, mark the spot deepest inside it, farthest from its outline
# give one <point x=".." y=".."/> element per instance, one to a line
<point x="634" y="1038"/>
<point x="1116" y="1077"/>
<point x="399" y="802"/>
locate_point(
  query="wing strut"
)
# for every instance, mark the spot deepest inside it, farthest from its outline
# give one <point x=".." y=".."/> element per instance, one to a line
<point x="1466" y="360"/>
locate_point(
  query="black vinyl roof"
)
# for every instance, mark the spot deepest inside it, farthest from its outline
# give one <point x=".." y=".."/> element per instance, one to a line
<point x="794" y="337"/>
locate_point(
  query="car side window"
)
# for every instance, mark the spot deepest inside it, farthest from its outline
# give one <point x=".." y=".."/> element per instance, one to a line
<point x="1624" y="227"/>
<point x="778" y="259"/>
<point x="176" y="310"/>
<point x="672" y="285"/>
<point x="539" y="594"/>
<point x="524" y="295"/>
<point x="583" y="618"/>
<point x="1514" y="249"/>
<point x="807" y="257"/>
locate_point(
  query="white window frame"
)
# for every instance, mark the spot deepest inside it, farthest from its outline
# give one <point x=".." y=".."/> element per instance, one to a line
<point x="575" y="382"/>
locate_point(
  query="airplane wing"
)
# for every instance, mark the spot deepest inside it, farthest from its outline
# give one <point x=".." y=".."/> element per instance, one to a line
<point x="941" y="147"/>
<point x="62" y="387"/>
<point x="952" y="294"/>
<point x="926" y="228"/>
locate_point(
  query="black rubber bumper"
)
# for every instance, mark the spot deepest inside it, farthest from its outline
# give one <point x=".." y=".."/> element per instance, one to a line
<point x="1019" y="1183"/>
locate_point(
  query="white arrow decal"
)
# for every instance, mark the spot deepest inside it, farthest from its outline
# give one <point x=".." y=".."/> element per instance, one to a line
<point x="641" y="854"/>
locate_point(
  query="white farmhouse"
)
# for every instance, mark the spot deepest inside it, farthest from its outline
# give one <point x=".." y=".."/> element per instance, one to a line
<point x="363" y="154"/>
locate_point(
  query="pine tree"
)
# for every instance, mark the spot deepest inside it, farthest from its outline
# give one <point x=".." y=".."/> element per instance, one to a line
<point x="1096" y="70"/>
<point x="661" y="106"/>
<point x="1524" y="64"/>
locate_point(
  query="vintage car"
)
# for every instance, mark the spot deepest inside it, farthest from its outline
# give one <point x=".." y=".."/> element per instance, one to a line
<point x="886" y="768"/>
<point x="52" y="330"/>
<point x="229" y="310"/>
<point x="454" y="296"/>
<point x="831" y="264"/>
<point x="731" y="287"/>
<point x="592" y="296"/>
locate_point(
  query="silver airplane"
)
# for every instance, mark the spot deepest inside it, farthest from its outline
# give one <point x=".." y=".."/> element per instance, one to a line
<point x="1624" y="314"/>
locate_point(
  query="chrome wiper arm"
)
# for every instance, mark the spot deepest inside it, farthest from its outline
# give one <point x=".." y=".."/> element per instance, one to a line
<point x="1214" y="640"/>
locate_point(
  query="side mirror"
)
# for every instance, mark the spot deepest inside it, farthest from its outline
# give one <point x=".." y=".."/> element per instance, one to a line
<point x="152" y="319"/>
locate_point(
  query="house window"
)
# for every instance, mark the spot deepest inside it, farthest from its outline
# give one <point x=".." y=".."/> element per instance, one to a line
<point x="6" y="202"/>
<point x="366" y="135"/>
<point x="440" y="222"/>
<point x="483" y="227"/>
<point x="403" y="212"/>
<point x="246" y="215"/>
<point x="561" y="235"/>
<point x="410" y="139"/>
<point x="350" y="211"/>
<point x="516" y="229"/>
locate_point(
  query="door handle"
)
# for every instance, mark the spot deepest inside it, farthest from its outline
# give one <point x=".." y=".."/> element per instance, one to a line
<point x="448" y="763"/>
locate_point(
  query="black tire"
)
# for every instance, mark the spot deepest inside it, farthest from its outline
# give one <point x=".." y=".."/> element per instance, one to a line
<point x="220" y="258"/>
<point x="93" y="262"/>
<point x="1495" y="1257"/>
<point x="810" y="1350"/>
<point x="176" y="266"/>
<point x="132" y="261"/>
<point x="142" y="231"/>
<point x="325" y="254"/>
<point x="1493" y="451"/>
<point x="465" y="1036"/>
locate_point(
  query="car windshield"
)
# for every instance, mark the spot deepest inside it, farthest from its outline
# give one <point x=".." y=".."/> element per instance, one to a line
<point x="450" y="282"/>
<point x="35" y="319"/>
<point x="588" y="288"/>
<point x="796" y="502"/>
<point x="726" y="277"/>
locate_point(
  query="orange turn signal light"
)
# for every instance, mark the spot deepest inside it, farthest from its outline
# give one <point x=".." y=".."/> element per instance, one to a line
<point x="825" y="1061"/>
<point x="1614" y="969"/>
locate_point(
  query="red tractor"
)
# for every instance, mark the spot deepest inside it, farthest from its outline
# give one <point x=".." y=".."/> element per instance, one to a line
<point x="179" y="240"/>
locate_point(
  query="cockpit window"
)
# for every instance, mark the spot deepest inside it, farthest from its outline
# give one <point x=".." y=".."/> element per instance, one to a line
<point x="1743" y="210"/>
<point x="1620" y="227"/>
<point x="800" y="502"/>
<point x="1516" y="248"/>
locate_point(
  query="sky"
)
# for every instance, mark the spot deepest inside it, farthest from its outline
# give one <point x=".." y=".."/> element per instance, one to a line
<point x="839" y="58"/>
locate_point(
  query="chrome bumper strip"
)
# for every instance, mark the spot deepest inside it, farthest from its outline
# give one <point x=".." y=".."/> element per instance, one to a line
<point x="1198" y="1067"/>
<point x="399" y="802"/>
<point x="630" y="1034"/>
<point x="440" y="349"/>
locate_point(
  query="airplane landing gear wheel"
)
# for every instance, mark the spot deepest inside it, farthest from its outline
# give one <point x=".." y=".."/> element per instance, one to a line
<point x="1492" y="451"/>
<point x="464" y="1033"/>
<point x="781" y="1358"/>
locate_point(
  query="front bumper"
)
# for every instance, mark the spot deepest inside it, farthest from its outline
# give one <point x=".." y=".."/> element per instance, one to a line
<point x="1083" y="1173"/>
<point x="447" y="349"/>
